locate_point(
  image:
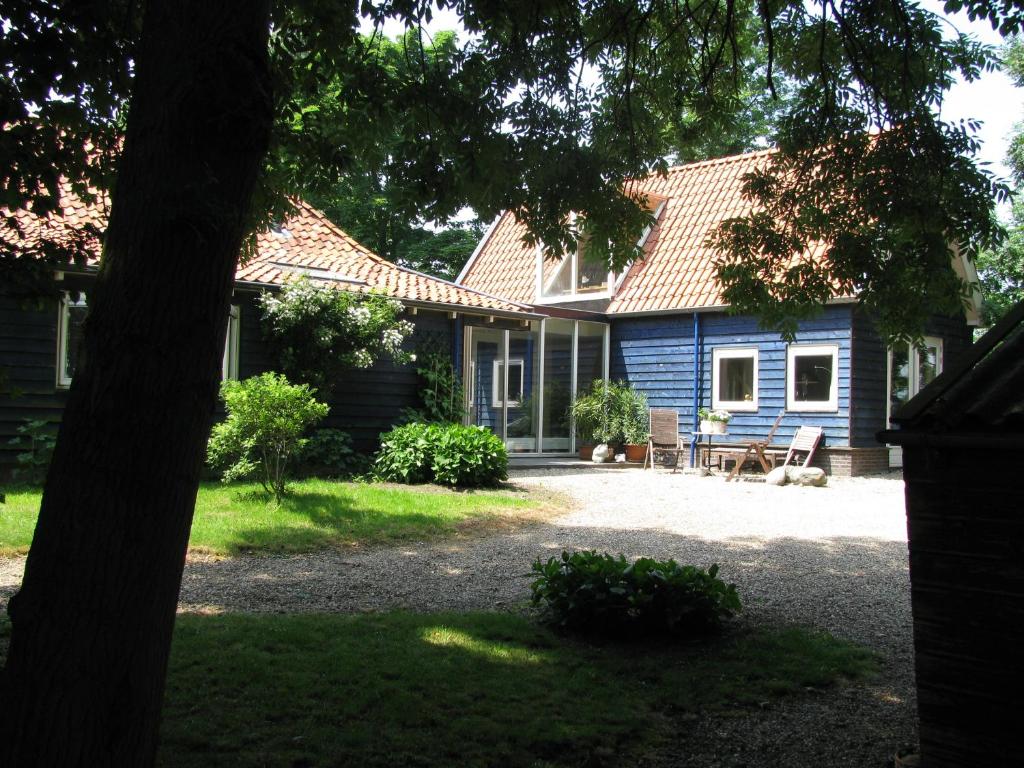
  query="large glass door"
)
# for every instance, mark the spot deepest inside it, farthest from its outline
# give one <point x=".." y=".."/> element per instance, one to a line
<point x="520" y="382"/>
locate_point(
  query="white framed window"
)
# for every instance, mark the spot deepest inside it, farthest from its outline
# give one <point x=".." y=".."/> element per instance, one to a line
<point x="516" y="380"/>
<point x="910" y="370"/>
<point x="734" y="378"/>
<point x="229" y="366"/>
<point x="812" y="377"/>
<point x="71" y="315"/>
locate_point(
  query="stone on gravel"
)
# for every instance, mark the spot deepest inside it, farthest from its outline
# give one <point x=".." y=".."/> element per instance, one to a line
<point x="776" y="477"/>
<point x="811" y="476"/>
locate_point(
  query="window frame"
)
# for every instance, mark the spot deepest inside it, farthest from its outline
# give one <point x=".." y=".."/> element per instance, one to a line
<point x="63" y="326"/>
<point x="498" y="381"/>
<point x="229" y="360"/>
<point x="793" y="351"/>
<point x="731" y="353"/>
<point x="913" y="370"/>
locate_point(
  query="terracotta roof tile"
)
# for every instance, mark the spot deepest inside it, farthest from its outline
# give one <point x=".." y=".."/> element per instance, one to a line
<point x="306" y="243"/>
<point x="677" y="269"/>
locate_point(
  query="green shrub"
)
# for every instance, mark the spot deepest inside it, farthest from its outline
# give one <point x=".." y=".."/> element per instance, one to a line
<point x="604" y="595"/>
<point x="448" y="454"/>
<point x="442" y="396"/>
<point x="329" y="452"/>
<point x="406" y="453"/>
<point x="267" y="417"/>
<point x="37" y="441"/>
<point x="469" y="457"/>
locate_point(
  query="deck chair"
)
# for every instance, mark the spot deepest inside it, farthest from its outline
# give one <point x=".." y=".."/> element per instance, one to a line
<point x="664" y="435"/>
<point x="806" y="441"/>
<point x="755" y="449"/>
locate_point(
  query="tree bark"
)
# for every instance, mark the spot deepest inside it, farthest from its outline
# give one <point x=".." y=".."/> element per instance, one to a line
<point x="92" y="624"/>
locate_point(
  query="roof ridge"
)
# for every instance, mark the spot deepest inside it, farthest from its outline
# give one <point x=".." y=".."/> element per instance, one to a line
<point x="721" y="160"/>
<point x="401" y="267"/>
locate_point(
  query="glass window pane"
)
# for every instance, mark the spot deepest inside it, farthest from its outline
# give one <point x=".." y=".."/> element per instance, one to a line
<point x="928" y="365"/>
<point x="736" y="379"/>
<point x="592" y="275"/>
<point x="899" y="383"/>
<point x="556" y="277"/>
<point x="557" y="383"/>
<point x="75" y="320"/>
<point x="812" y="376"/>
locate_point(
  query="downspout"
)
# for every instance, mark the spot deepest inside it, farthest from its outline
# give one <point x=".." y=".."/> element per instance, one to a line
<point x="698" y="375"/>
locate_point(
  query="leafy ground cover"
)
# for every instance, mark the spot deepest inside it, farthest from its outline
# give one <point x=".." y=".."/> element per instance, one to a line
<point x="477" y="689"/>
<point x="317" y="513"/>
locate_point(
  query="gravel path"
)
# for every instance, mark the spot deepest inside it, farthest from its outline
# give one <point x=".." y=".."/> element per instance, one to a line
<point x="834" y="558"/>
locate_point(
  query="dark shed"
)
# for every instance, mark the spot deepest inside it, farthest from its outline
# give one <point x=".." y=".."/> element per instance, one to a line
<point x="963" y="463"/>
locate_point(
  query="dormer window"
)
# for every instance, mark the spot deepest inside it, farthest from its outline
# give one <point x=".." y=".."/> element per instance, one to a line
<point x="577" y="278"/>
<point x="573" y="278"/>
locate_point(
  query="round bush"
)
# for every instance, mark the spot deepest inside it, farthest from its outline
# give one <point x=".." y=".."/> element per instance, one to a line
<point x="448" y="454"/>
<point x="469" y="457"/>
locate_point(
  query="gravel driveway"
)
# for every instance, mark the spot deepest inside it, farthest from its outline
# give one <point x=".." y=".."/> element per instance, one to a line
<point x="834" y="558"/>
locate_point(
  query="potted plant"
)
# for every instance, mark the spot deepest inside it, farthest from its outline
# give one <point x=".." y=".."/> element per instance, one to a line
<point x="713" y="421"/>
<point x="591" y="413"/>
<point x="632" y="421"/>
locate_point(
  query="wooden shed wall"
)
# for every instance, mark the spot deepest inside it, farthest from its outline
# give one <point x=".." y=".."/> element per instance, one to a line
<point x="966" y="532"/>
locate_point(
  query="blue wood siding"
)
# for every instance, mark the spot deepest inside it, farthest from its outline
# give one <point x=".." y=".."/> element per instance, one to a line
<point x="656" y="355"/>
<point x="869" y="380"/>
<point x="28" y="366"/>
<point x="365" y="402"/>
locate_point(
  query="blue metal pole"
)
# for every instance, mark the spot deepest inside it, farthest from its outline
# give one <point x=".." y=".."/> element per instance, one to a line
<point x="698" y="374"/>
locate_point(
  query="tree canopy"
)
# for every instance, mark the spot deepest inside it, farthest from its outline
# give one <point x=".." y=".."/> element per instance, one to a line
<point x="550" y="109"/>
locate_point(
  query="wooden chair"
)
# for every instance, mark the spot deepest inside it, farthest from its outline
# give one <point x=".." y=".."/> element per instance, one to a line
<point x="664" y="435"/>
<point x="755" y="449"/>
<point x="806" y="441"/>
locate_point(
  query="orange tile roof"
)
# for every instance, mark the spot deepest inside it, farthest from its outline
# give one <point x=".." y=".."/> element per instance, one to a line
<point x="678" y="268"/>
<point x="307" y="243"/>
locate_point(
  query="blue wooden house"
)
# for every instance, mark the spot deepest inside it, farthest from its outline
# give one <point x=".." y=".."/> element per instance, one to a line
<point x="661" y="324"/>
<point x="39" y="340"/>
<point x="529" y="333"/>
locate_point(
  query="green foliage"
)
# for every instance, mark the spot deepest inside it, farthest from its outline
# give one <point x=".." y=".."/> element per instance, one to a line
<point x="1001" y="270"/>
<point x="469" y="457"/>
<point x="442" y="396"/>
<point x="406" y="454"/>
<point x="37" y="440"/>
<point x="317" y="331"/>
<point x="500" y="120"/>
<point x="707" y="414"/>
<point x="368" y="207"/>
<point x="448" y="454"/>
<point x="604" y="595"/>
<point x="262" y="433"/>
<point x="611" y="412"/>
<point x="329" y="452"/>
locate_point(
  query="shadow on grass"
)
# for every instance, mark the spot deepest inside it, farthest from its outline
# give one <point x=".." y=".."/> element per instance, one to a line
<point x="454" y="689"/>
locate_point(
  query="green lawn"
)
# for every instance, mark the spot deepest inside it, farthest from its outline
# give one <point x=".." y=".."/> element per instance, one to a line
<point x="319" y="513"/>
<point x="456" y="690"/>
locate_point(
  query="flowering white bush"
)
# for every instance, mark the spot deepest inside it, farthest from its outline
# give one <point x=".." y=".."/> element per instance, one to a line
<point x="716" y="415"/>
<point x="318" y="330"/>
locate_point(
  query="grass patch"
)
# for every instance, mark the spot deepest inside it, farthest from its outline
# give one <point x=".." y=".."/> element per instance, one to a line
<point x="230" y="519"/>
<point x="455" y="689"/>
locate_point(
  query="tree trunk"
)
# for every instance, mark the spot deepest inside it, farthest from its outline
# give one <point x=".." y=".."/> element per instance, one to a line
<point x="92" y="623"/>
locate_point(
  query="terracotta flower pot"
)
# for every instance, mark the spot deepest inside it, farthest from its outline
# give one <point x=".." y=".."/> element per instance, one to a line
<point x="636" y="453"/>
<point x="586" y="452"/>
